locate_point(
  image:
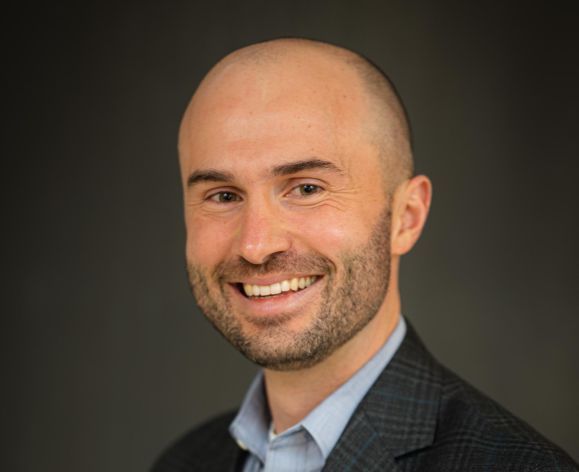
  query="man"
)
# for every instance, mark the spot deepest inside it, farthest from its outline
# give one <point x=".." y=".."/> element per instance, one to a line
<point x="300" y="198"/>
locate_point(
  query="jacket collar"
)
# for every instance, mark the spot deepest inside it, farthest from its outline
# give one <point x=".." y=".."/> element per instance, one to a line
<point x="397" y="415"/>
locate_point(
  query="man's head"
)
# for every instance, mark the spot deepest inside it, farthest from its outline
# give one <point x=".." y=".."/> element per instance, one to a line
<point x="296" y="165"/>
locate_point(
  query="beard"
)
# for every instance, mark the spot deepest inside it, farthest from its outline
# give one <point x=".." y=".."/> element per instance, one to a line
<point x="355" y="288"/>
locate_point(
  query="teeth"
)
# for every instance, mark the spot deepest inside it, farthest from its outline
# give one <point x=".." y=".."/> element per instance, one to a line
<point x="275" y="289"/>
<point x="264" y="290"/>
<point x="294" y="284"/>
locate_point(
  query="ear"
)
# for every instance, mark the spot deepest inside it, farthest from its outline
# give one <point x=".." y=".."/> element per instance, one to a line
<point x="410" y="209"/>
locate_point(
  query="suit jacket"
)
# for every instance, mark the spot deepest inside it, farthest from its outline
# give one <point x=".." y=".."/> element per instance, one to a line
<point x="418" y="416"/>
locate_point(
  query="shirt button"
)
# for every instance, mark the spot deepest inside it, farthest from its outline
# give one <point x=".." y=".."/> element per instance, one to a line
<point x="241" y="444"/>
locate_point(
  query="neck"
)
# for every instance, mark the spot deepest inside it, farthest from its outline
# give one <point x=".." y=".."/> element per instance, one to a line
<point x="293" y="395"/>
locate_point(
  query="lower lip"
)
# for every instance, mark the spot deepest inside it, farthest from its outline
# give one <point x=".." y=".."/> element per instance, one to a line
<point x="281" y="304"/>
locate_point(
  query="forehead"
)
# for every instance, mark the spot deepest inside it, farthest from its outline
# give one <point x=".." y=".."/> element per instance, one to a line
<point x="255" y="116"/>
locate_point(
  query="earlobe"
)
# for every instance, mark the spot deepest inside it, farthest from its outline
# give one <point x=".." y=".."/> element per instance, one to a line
<point x="411" y="205"/>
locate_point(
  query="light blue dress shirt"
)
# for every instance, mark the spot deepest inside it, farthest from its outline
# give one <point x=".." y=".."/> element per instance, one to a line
<point x="305" y="446"/>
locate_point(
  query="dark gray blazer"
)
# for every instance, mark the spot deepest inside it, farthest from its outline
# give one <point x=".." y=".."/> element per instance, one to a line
<point x="418" y="416"/>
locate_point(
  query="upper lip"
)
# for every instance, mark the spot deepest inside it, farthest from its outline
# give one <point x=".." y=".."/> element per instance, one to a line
<point x="271" y="279"/>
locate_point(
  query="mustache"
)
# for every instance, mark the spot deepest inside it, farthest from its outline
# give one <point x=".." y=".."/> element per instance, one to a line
<point x="276" y="263"/>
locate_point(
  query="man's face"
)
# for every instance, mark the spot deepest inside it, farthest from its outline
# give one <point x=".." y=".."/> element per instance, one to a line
<point x="288" y="223"/>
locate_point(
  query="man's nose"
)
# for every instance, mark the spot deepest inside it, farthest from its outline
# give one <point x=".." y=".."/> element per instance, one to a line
<point x="262" y="233"/>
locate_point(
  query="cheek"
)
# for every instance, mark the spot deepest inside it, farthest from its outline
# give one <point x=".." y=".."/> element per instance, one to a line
<point x="328" y="231"/>
<point x="208" y="241"/>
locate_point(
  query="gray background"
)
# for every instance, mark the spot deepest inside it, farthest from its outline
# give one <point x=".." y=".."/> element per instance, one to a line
<point x="105" y="357"/>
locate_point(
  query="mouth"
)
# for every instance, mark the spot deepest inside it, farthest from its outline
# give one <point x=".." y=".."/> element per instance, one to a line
<point x="268" y="291"/>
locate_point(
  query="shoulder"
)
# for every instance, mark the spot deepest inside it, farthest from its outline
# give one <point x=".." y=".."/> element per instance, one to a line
<point x="482" y="432"/>
<point x="435" y="421"/>
<point x="206" y="447"/>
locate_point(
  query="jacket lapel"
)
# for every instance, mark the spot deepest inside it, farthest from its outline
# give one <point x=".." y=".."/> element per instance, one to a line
<point x="397" y="415"/>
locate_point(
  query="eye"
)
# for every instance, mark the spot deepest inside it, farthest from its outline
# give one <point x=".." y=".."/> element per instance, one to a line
<point x="305" y="190"/>
<point x="224" y="197"/>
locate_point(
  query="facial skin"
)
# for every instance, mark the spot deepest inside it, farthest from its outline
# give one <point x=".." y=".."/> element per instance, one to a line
<point x="282" y="182"/>
<point x="338" y="315"/>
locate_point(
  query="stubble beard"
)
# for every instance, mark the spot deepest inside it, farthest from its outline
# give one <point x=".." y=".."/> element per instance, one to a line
<point x="346" y="307"/>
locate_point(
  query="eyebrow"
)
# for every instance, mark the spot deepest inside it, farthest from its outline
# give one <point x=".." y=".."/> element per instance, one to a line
<point x="212" y="175"/>
<point x="308" y="164"/>
<point x="209" y="175"/>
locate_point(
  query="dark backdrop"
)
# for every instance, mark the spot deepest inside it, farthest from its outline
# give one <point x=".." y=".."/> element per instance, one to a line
<point x="106" y="357"/>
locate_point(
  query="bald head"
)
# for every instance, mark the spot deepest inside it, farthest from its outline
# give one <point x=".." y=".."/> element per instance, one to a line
<point x="341" y="83"/>
<point x="295" y="161"/>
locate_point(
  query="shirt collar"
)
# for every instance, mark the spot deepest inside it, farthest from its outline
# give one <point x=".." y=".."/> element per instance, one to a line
<point x="327" y="421"/>
<point x="250" y="428"/>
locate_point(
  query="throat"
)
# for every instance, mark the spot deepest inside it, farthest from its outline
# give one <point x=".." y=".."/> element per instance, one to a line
<point x="292" y="395"/>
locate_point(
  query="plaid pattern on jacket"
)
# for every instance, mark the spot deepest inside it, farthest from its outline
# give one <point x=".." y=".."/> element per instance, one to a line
<point x="417" y="417"/>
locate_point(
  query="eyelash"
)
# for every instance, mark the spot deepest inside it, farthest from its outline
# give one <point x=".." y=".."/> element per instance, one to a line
<point x="318" y="189"/>
<point x="216" y="197"/>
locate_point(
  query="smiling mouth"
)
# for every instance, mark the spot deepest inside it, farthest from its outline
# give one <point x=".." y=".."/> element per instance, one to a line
<point x="295" y="284"/>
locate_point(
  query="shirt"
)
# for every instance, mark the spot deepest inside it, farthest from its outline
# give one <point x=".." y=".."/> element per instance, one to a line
<point x="305" y="446"/>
